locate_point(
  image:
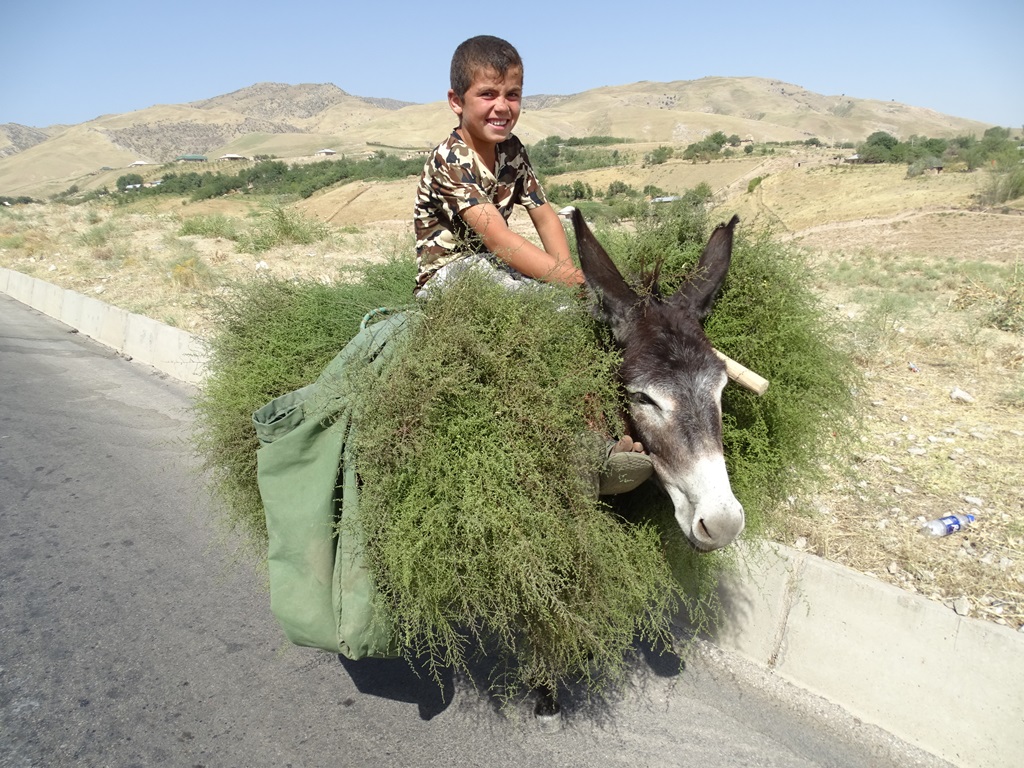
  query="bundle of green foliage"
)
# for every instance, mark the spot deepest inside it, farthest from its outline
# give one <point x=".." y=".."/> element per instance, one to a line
<point x="478" y="452"/>
<point x="272" y="337"/>
<point x="475" y="449"/>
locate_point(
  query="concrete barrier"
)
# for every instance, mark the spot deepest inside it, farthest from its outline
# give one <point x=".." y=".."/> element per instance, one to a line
<point x="953" y="686"/>
<point x="170" y="350"/>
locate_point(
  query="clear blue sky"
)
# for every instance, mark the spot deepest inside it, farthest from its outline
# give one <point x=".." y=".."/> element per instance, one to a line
<point x="68" y="62"/>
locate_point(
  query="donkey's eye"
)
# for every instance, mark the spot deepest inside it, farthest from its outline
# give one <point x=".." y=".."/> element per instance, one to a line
<point x="641" y="398"/>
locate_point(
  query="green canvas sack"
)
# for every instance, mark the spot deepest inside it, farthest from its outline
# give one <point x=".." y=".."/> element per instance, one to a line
<point x="321" y="591"/>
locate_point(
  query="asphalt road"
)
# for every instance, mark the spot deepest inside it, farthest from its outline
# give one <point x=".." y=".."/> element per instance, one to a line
<point x="133" y="633"/>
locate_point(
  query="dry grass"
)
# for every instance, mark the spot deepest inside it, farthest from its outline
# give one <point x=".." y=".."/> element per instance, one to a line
<point x="134" y="258"/>
<point x="913" y="268"/>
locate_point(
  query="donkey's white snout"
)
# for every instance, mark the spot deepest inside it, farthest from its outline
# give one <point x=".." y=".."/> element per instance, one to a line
<point x="718" y="526"/>
<point x="706" y="510"/>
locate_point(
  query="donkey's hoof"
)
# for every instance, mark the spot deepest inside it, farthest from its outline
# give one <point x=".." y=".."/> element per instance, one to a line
<point x="548" y="715"/>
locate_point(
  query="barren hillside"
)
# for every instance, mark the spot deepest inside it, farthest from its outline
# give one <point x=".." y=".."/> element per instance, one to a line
<point x="294" y="120"/>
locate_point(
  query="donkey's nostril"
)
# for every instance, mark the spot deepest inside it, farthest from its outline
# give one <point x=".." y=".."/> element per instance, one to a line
<point x="704" y="528"/>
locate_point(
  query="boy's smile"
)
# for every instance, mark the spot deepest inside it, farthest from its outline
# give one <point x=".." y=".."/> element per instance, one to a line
<point x="489" y="110"/>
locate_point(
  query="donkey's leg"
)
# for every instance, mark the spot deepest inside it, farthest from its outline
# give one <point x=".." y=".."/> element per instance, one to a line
<point x="546" y="711"/>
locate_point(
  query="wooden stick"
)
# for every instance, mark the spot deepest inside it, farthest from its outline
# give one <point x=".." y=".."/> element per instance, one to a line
<point x="743" y="376"/>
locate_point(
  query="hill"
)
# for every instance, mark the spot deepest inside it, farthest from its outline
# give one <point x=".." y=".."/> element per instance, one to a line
<point x="14" y="138"/>
<point x="293" y="121"/>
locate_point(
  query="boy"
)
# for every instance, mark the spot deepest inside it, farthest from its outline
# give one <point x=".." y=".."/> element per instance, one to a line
<point x="472" y="181"/>
<point x="466" y="194"/>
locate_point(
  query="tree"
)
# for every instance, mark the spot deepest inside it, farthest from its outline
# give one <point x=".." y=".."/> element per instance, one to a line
<point x="658" y="155"/>
<point x="618" y="187"/>
<point x="581" y="191"/>
<point x="128" y="180"/>
<point x="874" y="153"/>
<point x="882" y="139"/>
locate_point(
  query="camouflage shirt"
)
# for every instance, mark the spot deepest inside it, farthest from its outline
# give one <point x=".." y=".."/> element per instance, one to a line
<point x="454" y="179"/>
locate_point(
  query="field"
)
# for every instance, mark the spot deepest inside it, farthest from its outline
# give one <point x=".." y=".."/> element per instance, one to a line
<point x="929" y="287"/>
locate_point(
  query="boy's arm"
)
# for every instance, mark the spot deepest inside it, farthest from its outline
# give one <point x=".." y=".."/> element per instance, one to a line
<point x="552" y="235"/>
<point x="552" y="264"/>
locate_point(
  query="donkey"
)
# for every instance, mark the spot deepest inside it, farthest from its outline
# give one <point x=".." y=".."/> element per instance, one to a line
<point x="674" y="381"/>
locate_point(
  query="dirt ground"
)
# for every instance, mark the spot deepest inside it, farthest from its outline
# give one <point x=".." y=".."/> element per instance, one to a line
<point x="918" y="274"/>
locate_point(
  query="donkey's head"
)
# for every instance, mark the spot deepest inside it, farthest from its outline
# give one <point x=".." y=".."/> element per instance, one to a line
<point x="674" y="382"/>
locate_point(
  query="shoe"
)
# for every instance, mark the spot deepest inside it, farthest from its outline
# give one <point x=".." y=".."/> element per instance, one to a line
<point x="623" y="471"/>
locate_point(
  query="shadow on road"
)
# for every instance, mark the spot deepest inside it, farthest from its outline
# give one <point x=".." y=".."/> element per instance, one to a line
<point x="397" y="680"/>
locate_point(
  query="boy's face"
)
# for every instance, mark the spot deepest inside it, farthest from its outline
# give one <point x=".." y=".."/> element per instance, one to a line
<point x="490" y="108"/>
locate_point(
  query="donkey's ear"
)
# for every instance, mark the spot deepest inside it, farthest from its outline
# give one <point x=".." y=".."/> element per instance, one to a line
<point x="699" y="292"/>
<point x="614" y="295"/>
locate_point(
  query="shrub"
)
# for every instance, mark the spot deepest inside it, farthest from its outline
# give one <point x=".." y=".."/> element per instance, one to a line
<point x="921" y="165"/>
<point x="598" y="211"/>
<point x="20" y="200"/>
<point x="98" y="235"/>
<point x="1004" y="184"/>
<point x="658" y="155"/>
<point x="619" y="187"/>
<point x="190" y="272"/>
<point x="754" y="183"/>
<point x="214" y="225"/>
<point x="281" y="227"/>
<point x="123" y="182"/>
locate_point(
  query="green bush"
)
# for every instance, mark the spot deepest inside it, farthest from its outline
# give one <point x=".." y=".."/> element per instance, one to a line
<point x="281" y="227"/>
<point x="214" y="225"/>
<point x="98" y="235"/>
<point x="1004" y="184"/>
<point x="123" y="182"/>
<point x="658" y="155"/>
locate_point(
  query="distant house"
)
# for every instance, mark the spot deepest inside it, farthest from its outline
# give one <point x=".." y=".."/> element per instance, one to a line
<point x="325" y="152"/>
<point x="231" y="157"/>
<point x="138" y="163"/>
<point x="191" y="158"/>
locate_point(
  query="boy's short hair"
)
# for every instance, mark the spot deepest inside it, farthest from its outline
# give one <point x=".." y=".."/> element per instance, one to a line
<point x="481" y="52"/>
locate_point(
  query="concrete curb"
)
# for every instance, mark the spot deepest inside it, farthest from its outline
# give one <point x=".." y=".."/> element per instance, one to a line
<point x="171" y="350"/>
<point x="951" y="685"/>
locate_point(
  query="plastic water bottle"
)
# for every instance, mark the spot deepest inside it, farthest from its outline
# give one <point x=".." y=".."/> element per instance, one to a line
<point x="946" y="525"/>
